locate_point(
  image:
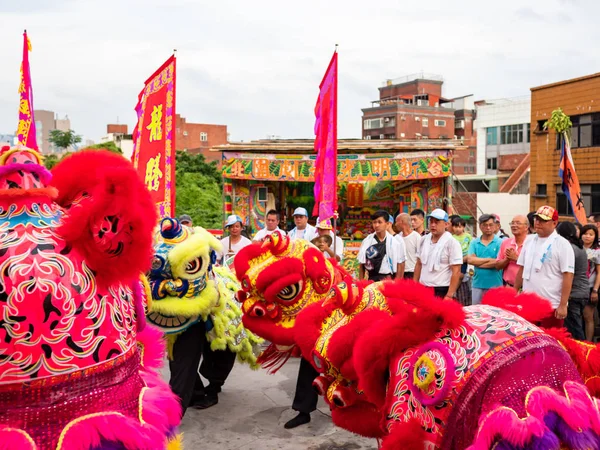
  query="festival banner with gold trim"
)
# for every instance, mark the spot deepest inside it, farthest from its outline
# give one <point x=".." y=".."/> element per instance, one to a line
<point x="154" y="137"/>
<point x="355" y="167"/>
<point x="26" y="134"/>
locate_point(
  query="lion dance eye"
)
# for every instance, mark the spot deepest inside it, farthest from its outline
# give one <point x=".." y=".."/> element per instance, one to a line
<point x="290" y="292"/>
<point x="194" y="266"/>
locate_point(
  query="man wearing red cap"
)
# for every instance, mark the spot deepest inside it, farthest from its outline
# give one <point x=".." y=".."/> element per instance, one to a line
<point x="547" y="263"/>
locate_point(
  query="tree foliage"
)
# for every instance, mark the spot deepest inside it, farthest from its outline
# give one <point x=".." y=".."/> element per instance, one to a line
<point x="110" y="146"/>
<point x="50" y="161"/>
<point x="64" y="139"/>
<point x="199" y="190"/>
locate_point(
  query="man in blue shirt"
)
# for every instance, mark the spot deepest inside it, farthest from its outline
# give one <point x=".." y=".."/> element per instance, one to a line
<point x="482" y="254"/>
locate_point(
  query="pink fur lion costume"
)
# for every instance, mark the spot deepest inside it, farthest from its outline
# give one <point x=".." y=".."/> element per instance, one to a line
<point x="415" y="371"/>
<point x="77" y="361"/>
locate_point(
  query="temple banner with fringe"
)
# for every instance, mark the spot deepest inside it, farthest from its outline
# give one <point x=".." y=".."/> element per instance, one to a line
<point x="154" y="137"/>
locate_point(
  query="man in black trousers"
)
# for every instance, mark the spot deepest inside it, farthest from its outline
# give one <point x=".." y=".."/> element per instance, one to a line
<point x="306" y="397"/>
<point x="191" y="346"/>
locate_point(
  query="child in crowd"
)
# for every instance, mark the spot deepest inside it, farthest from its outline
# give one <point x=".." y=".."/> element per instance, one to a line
<point x="322" y="242"/>
<point x="458" y="225"/>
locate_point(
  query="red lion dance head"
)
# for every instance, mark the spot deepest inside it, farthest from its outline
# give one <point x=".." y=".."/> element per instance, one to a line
<point x="280" y="277"/>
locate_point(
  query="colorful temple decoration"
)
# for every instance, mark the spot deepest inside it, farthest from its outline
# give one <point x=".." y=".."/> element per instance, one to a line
<point x="376" y="167"/>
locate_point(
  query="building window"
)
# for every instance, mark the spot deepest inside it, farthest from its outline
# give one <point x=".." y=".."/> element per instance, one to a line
<point x="204" y="137"/>
<point x="492" y="163"/>
<point x="185" y="133"/>
<point x="440" y="123"/>
<point x="373" y="124"/>
<point x="511" y="134"/>
<point x="528" y="133"/>
<point x="425" y="122"/>
<point x="584" y="133"/>
<point x="471" y="154"/>
<point x="590" y="194"/>
<point x="492" y="136"/>
<point x="541" y="190"/>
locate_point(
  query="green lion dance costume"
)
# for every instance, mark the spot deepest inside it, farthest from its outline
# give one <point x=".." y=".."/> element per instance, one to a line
<point x="193" y="303"/>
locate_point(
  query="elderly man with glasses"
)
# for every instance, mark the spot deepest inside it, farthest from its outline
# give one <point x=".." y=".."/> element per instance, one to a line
<point x="511" y="249"/>
<point x="482" y="254"/>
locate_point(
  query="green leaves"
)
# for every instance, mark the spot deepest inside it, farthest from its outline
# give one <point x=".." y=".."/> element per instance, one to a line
<point x="559" y="122"/>
<point x="50" y="161"/>
<point x="63" y="139"/>
<point x="110" y="146"/>
<point x="199" y="190"/>
<point x="200" y="196"/>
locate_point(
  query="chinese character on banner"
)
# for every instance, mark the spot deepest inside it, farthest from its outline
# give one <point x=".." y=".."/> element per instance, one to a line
<point x="154" y="137"/>
<point x="153" y="173"/>
<point x="155" y="126"/>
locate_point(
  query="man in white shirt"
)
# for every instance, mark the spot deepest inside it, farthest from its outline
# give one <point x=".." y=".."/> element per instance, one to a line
<point x="271" y="225"/>
<point x="439" y="258"/>
<point x="324" y="228"/>
<point x="412" y="241"/>
<point x="303" y="229"/>
<point x="381" y="256"/>
<point x="547" y="264"/>
<point x="233" y="243"/>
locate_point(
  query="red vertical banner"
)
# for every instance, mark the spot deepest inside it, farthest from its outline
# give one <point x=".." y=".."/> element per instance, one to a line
<point x="570" y="181"/>
<point x="26" y="135"/>
<point x="326" y="144"/>
<point x="154" y="137"/>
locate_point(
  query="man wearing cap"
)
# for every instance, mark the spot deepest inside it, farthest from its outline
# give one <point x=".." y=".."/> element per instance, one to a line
<point x="303" y="229"/>
<point x="483" y="253"/>
<point x="381" y="256"/>
<point x="324" y="229"/>
<point x="498" y="227"/>
<point x="390" y="225"/>
<point x="271" y="226"/>
<point x="439" y="258"/>
<point x="235" y="241"/>
<point x="547" y="264"/>
<point x="186" y="220"/>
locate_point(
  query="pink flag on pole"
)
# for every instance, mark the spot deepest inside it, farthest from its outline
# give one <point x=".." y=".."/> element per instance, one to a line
<point x="26" y="129"/>
<point x="326" y="144"/>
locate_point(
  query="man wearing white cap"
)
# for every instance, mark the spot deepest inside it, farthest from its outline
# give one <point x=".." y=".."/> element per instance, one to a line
<point x="235" y="241"/>
<point x="439" y="258"/>
<point x="303" y="229"/>
<point x="324" y="229"/>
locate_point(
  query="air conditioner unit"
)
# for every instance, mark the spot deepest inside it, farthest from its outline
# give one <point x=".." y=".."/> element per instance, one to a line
<point x="402" y="118"/>
<point x="417" y="119"/>
<point x="401" y="135"/>
<point x="382" y="136"/>
<point x="367" y="137"/>
<point x="387" y="119"/>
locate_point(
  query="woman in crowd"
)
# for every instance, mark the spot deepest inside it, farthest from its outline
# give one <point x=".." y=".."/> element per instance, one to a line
<point x="589" y="236"/>
<point x="580" y="290"/>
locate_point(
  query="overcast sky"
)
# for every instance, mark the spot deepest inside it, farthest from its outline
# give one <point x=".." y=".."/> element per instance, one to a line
<point x="256" y="65"/>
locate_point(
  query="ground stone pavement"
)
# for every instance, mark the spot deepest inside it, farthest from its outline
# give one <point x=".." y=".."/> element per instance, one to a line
<point x="251" y="412"/>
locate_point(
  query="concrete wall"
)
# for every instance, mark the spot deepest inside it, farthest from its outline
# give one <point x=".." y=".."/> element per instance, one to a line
<point x="505" y="205"/>
<point x="497" y="113"/>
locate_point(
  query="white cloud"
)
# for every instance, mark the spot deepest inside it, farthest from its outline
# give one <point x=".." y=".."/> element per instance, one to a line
<point x="256" y="66"/>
